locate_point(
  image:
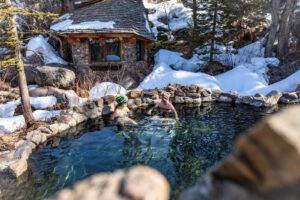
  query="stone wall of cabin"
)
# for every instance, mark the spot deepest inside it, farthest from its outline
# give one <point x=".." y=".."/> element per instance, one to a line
<point x="131" y="74"/>
<point x="80" y="53"/>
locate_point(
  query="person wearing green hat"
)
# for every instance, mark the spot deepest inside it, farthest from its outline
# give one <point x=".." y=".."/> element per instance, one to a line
<point x="121" y="113"/>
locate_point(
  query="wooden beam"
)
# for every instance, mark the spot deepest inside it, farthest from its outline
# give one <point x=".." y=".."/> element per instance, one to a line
<point x="99" y="35"/>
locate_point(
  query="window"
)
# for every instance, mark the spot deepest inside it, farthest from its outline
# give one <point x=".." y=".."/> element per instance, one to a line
<point x="139" y="51"/>
<point x="105" y="50"/>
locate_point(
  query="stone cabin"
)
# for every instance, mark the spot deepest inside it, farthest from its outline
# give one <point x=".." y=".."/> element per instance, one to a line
<point x="106" y="34"/>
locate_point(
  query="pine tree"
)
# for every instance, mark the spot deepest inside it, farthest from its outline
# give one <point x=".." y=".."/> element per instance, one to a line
<point x="8" y="14"/>
<point x="212" y="20"/>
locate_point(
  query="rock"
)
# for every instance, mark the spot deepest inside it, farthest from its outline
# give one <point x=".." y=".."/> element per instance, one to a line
<point x="135" y="93"/>
<point x="59" y="77"/>
<point x="145" y="183"/>
<point x="187" y="100"/>
<point x="193" y="95"/>
<point x="290" y="95"/>
<point x="138" y="101"/>
<point x="207" y="99"/>
<point x="197" y="101"/>
<point x="128" y="82"/>
<point x="107" y="110"/>
<point x="179" y="99"/>
<point x="215" y="95"/>
<point x="258" y="95"/>
<point x="171" y="88"/>
<point x="150" y="93"/>
<point x="109" y="99"/>
<point x="180" y="93"/>
<point x="130" y="102"/>
<point x="138" y="183"/>
<point x="225" y="98"/>
<point x="274" y="93"/>
<point x="257" y="164"/>
<point x="206" y="92"/>
<point x="18" y="167"/>
<point x="298" y="88"/>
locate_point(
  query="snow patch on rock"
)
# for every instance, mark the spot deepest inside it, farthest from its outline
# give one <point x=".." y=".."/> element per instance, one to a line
<point x="8" y="109"/>
<point x="40" y="45"/>
<point x="12" y="124"/>
<point x="106" y="88"/>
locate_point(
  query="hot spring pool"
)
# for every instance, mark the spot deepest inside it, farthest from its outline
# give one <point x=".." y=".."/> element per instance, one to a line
<point x="180" y="150"/>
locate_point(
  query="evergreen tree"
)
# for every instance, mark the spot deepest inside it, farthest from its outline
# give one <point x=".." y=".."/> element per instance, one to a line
<point x="213" y="19"/>
<point x="11" y="41"/>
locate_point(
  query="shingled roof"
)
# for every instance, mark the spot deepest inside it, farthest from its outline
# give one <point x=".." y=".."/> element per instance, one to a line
<point x="128" y="17"/>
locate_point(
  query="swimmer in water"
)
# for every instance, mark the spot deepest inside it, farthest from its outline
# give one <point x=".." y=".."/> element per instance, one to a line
<point x="121" y="113"/>
<point x="165" y="105"/>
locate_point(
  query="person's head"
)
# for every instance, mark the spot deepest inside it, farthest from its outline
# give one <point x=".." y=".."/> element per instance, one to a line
<point x="121" y="100"/>
<point x="165" y="97"/>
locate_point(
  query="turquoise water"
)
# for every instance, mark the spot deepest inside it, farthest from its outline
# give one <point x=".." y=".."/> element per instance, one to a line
<point x="180" y="150"/>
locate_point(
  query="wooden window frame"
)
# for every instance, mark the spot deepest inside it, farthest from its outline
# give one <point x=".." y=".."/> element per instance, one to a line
<point x="105" y="53"/>
<point x="142" y="50"/>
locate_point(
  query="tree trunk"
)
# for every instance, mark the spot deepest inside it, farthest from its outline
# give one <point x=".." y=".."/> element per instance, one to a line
<point x="195" y="14"/>
<point x="212" y="44"/>
<point x="273" y="29"/>
<point x="25" y="100"/>
<point x="285" y="28"/>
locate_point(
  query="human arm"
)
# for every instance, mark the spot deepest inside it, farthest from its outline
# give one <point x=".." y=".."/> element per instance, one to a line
<point x="151" y="109"/>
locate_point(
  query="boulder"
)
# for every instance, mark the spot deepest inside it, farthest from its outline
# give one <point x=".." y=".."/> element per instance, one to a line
<point x="298" y="88"/>
<point x="135" y="93"/>
<point x="137" y="183"/>
<point x="291" y="95"/>
<point x="18" y="167"/>
<point x="128" y="82"/>
<point x="60" y="77"/>
<point x="225" y="98"/>
<point x="109" y="99"/>
<point x="206" y="92"/>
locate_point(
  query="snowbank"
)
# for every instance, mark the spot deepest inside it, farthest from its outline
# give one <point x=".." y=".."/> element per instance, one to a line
<point x="175" y="60"/>
<point x="178" y="16"/>
<point x="240" y="79"/>
<point x="247" y="78"/>
<point x="163" y="75"/>
<point x="106" y="88"/>
<point x="286" y="85"/>
<point x="8" y="109"/>
<point x="12" y="124"/>
<point x="39" y="44"/>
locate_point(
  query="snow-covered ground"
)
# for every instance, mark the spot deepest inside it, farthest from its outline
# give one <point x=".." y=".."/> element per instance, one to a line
<point x="12" y="124"/>
<point x="247" y="78"/>
<point x="8" y="109"/>
<point x="40" y="45"/>
<point x="178" y="16"/>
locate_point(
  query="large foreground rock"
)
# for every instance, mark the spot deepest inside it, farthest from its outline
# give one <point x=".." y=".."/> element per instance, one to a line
<point x="137" y="183"/>
<point x="59" y="77"/>
<point x="265" y="164"/>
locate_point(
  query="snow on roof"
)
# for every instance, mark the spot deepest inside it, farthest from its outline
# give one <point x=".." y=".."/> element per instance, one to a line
<point x="95" y="25"/>
<point x="107" y="16"/>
